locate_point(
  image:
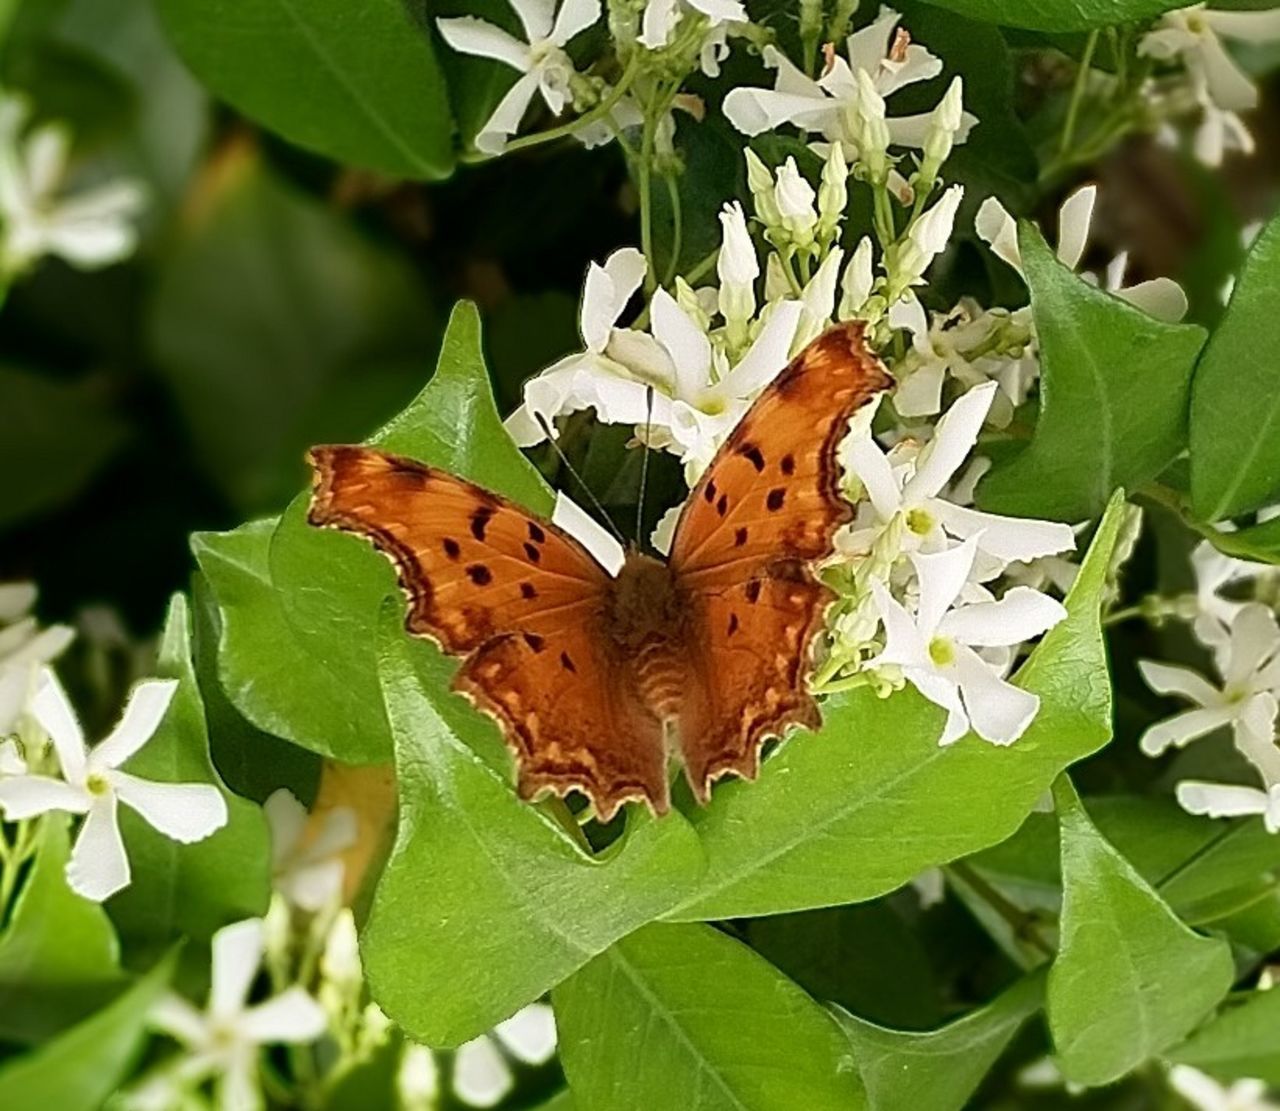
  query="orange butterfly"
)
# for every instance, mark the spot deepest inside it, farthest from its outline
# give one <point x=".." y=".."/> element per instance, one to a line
<point x="585" y="672"/>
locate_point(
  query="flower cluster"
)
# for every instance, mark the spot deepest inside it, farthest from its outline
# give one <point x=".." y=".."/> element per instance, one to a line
<point x="1244" y="641"/>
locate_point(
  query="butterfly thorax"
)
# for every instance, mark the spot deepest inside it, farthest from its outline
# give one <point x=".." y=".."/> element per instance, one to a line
<point x="646" y="617"/>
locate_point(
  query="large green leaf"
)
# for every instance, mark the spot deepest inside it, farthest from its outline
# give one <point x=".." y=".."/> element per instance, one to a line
<point x="684" y="1016"/>
<point x="80" y="1068"/>
<point x="1059" y="15"/>
<point x="871" y="799"/>
<point x="357" y="82"/>
<point x="276" y="323"/>
<point x="54" y="436"/>
<point x="487" y="902"/>
<point x="1244" y="1040"/>
<point x="1235" y="402"/>
<point x="300" y="605"/>
<point x="1113" y="396"/>
<point x="1130" y="979"/>
<point x="58" y="951"/>
<point x="938" y="1069"/>
<point x="189" y="890"/>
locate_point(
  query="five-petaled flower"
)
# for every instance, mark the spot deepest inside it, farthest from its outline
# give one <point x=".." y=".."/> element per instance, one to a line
<point x="94" y="785"/>
<point x="224" y="1040"/>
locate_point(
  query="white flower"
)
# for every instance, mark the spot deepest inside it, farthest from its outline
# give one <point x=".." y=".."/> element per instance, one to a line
<point x="481" y="1075"/>
<point x="833" y="104"/>
<point x="1214" y="570"/>
<point x="913" y="492"/>
<point x="89" y="229"/>
<point x="661" y="17"/>
<point x="308" y="870"/>
<point x="1230" y="800"/>
<point x="24" y="650"/>
<point x="93" y="784"/>
<point x="1206" y="1094"/>
<point x="1162" y="298"/>
<point x="224" y="1041"/>
<point x="938" y="349"/>
<point x="1192" y="34"/>
<point x="541" y="61"/>
<point x="794" y="197"/>
<point x="936" y="648"/>
<point x="857" y="281"/>
<point x="738" y="268"/>
<point x="945" y="124"/>
<point x="1250" y="669"/>
<point x="927" y="238"/>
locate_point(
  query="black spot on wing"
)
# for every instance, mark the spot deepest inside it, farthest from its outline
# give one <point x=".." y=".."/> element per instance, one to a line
<point x="775" y="500"/>
<point x="753" y="455"/>
<point x="733" y="624"/>
<point x="480" y="521"/>
<point x="753" y="591"/>
<point x="536" y="534"/>
<point x="479" y="574"/>
<point x="534" y="641"/>
<point x="527" y="590"/>
<point x="788" y="464"/>
<point x="709" y="492"/>
<point x="566" y="662"/>
<point x="533" y="552"/>
<point x="452" y="548"/>
<point x="722" y="506"/>
<point x="740" y="537"/>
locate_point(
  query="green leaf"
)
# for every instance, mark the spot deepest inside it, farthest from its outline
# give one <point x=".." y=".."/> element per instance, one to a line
<point x="1260" y="542"/>
<point x="54" y="437"/>
<point x="188" y="889"/>
<point x="1130" y="979"/>
<point x="1235" y="402"/>
<point x="1239" y="1042"/>
<point x="276" y="323"/>
<point x="1059" y="15"/>
<point x="80" y="1068"/>
<point x="938" y="1069"/>
<point x="1113" y="396"/>
<point x="357" y="82"/>
<point x="687" y="1012"/>
<point x="58" y="953"/>
<point x="823" y="825"/>
<point x="513" y="901"/>
<point x="300" y="605"/>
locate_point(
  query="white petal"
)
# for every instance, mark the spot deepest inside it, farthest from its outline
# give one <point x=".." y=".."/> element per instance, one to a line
<point x="237" y="953"/>
<point x="11" y="761"/>
<point x="606" y="292"/>
<point x="236" y="1082"/>
<point x="1183" y="728"/>
<point x="291" y="1018"/>
<point x="98" y="867"/>
<point x="685" y="342"/>
<point x="1000" y="230"/>
<point x="313" y="887"/>
<point x="920" y="394"/>
<point x="25" y="796"/>
<point x="868" y="47"/>
<point x="535" y="17"/>
<point x="176" y="1017"/>
<point x="1249" y="27"/>
<point x="998" y="711"/>
<point x="1008" y="538"/>
<point x="767" y="356"/>
<point x="665" y="530"/>
<point x="1254" y="640"/>
<point x="574" y="17"/>
<point x="1255" y="732"/>
<point x="956" y="435"/>
<point x="1162" y="298"/>
<point x="942" y="691"/>
<point x="480" y="1075"/>
<point x="865" y="459"/>
<point x="146" y="708"/>
<point x="339" y="830"/>
<point x="720" y="11"/>
<point x="753" y="111"/>
<point x="1074" y="221"/>
<point x="904" y="645"/>
<point x="184" y="812"/>
<point x="474" y="36"/>
<point x="1020" y="615"/>
<point x="16" y="600"/>
<point x="1229" y="86"/>
<point x="942" y="577"/>
<point x="505" y="121"/>
<point x="657" y="23"/>
<point x="286" y="818"/>
<point x="592" y="535"/>
<point x="52" y="711"/>
<point x="1172" y="679"/>
<point x="529" y="1034"/>
<point x="1220" y="800"/>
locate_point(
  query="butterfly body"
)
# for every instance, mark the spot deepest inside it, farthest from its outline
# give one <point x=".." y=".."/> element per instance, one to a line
<point x="590" y="674"/>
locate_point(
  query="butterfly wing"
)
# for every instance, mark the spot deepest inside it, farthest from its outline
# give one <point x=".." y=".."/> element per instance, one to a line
<point x="768" y="506"/>
<point x="521" y="601"/>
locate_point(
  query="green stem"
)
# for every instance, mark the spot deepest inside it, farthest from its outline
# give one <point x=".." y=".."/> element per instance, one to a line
<point x="644" y="173"/>
<point x="1115" y="617"/>
<point x="1020" y="922"/>
<point x="600" y="111"/>
<point x="677" y="228"/>
<point x="1077" y="93"/>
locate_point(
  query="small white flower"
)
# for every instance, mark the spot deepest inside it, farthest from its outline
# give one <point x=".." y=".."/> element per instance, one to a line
<point x="935" y="648"/>
<point x="1206" y="1094"/>
<point x="542" y="62"/>
<point x="481" y="1075"/>
<point x="945" y="124"/>
<point x="1250" y="669"/>
<point x="857" y="281"/>
<point x="927" y="238"/>
<point x="794" y="198"/>
<point x="1161" y="298"/>
<point x="738" y="268"/>
<point x="1192" y="34"/>
<point x="1214" y="571"/>
<point x="660" y="18"/>
<point x="913" y="493"/>
<point x="90" y="229"/>
<point x="93" y="784"/>
<point x="308" y="870"/>
<point x="24" y="649"/>
<point x="225" y="1040"/>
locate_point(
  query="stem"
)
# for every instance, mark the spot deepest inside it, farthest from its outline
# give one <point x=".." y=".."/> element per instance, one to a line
<point x="1115" y="617"/>
<point x="677" y="228"/>
<point x="644" y="171"/>
<point x="600" y="111"/>
<point x="12" y="858"/>
<point x="1077" y="93"/>
<point x="1020" y="922"/>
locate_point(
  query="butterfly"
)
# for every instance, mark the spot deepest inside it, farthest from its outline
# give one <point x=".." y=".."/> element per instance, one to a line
<point x="591" y="676"/>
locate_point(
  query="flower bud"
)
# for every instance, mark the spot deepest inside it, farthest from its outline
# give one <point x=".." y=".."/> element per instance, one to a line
<point x="926" y="239"/>
<point x="760" y="182"/>
<point x="944" y="123"/>
<point x="857" y="281"/>
<point x="870" y="130"/>
<point x="737" y="263"/>
<point x="833" y="194"/>
<point x="794" y="197"/>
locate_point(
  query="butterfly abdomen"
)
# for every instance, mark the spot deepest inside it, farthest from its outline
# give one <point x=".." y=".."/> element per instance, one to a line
<point x="660" y="677"/>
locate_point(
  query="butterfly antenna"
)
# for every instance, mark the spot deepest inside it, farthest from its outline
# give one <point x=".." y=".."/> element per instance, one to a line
<point x="564" y="459"/>
<point x="644" y="466"/>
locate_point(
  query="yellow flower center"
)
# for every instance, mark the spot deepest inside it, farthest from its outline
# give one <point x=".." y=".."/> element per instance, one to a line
<point x="919" y="522"/>
<point x="942" y="651"/>
<point x="96" y="784"/>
